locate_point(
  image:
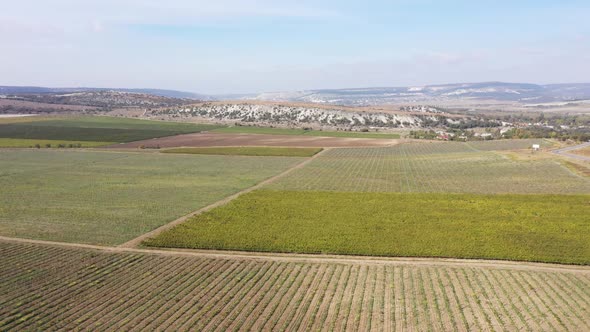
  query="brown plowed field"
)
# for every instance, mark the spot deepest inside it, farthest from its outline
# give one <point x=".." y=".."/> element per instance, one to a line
<point x="48" y="287"/>
<point x="218" y="139"/>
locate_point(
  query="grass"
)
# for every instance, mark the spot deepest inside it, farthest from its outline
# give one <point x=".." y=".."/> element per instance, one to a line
<point x="249" y="151"/>
<point x="544" y="228"/>
<point x="26" y="143"/>
<point x="285" y="131"/>
<point x="112" y="197"/>
<point x="97" y="129"/>
<point x="432" y="167"/>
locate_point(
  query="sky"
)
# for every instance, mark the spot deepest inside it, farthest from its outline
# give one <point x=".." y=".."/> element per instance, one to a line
<point x="249" y="46"/>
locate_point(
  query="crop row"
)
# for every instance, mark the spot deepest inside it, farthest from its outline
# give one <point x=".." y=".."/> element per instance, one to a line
<point x="52" y="288"/>
<point x="431" y="167"/>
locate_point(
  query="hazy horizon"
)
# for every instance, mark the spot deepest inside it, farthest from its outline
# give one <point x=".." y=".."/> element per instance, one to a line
<point x="236" y="47"/>
<point x="276" y="91"/>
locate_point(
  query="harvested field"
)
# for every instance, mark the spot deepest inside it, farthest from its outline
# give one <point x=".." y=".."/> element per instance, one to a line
<point x="432" y="167"/>
<point x="113" y="197"/>
<point x="52" y="288"/>
<point x="216" y="139"/>
<point x="249" y="151"/>
<point x="540" y="228"/>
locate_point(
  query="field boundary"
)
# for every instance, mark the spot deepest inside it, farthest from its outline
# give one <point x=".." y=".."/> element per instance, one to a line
<point x="319" y="259"/>
<point x="136" y="241"/>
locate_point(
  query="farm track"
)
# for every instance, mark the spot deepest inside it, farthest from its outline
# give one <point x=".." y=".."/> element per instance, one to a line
<point x="137" y="241"/>
<point x="316" y="258"/>
<point x="56" y="286"/>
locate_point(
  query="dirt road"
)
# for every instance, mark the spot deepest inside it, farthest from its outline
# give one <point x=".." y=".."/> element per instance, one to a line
<point x="310" y="258"/>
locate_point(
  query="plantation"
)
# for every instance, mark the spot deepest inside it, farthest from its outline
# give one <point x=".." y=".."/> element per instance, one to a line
<point x="547" y="228"/>
<point x="249" y="151"/>
<point x="109" y="198"/>
<point x="432" y="167"/>
<point x="52" y="288"/>
<point x="97" y="129"/>
<point x="284" y="131"/>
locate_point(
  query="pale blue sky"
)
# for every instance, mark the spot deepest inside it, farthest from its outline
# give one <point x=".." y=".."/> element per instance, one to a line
<point x="231" y="46"/>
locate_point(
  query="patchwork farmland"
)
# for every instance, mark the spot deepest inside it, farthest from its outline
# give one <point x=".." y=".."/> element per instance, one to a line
<point x="53" y="287"/>
<point x="263" y="192"/>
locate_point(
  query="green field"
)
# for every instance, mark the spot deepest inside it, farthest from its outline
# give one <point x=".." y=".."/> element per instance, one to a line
<point x="544" y="228"/>
<point x="249" y="151"/>
<point x="284" y="131"/>
<point x="123" y="123"/>
<point x="26" y="143"/>
<point x="96" y="129"/>
<point x="20" y="119"/>
<point x="112" y="197"/>
<point x="432" y="167"/>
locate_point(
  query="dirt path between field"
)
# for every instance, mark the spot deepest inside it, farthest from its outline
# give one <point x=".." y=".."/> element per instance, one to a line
<point x="135" y="242"/>
<point x="310" y="258"/>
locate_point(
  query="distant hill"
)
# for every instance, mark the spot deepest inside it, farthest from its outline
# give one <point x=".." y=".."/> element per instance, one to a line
<point x="518" y="92"/>
<point x="22" y="90"/>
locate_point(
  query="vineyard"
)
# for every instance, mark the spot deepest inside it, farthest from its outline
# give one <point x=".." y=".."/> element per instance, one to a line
<point x="111" y="197"/>
<point x="285" y="131"/>
<point x="249" y="151"/>
<point x="540" y="228"/>
<point x="433" y="167"/>
<point x="50" y="288"/>
<point x="510" y="144"/>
